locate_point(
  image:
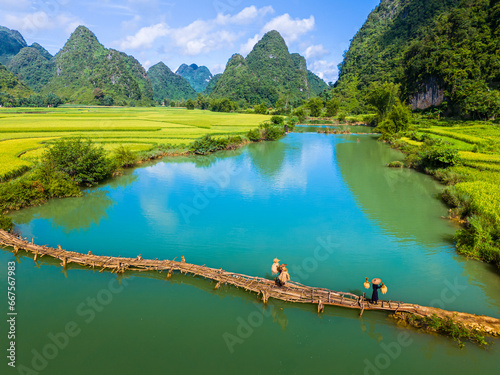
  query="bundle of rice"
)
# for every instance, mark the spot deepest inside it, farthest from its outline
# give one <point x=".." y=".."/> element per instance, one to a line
<point x="284" y="276"/>
<point x="383" y="289"/>
<point x="367" y="284"/>
<point x="274" y="267"/>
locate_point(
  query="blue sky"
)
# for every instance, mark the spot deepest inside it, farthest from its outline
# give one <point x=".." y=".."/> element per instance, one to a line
<point x="205" y="32"/>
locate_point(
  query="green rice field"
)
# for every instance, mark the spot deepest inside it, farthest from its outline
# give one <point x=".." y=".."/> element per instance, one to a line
<point x="479" y="149"/>
<point x="25" y="132"/>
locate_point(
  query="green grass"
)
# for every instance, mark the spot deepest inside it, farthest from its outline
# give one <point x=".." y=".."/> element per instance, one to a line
<point x="477" y="182"/>
<point x="25" y="132"/>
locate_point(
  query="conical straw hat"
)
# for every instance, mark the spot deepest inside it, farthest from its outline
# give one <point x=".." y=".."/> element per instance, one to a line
<point x="376" y="281"/>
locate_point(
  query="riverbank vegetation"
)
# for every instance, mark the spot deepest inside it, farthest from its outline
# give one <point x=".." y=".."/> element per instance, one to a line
<point x="444" y="326"/>
<point x="464" y="155"/>
<point x="25" y="132"/>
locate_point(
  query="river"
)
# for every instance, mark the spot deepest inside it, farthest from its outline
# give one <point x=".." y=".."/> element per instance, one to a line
<point x="324" y="204"/>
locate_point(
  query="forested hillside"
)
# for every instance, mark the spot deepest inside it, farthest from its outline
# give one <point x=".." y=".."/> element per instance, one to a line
<point x="32" y="67"/>
<point x="88" y="73"/>
<point x="10" y="85"/>
<point x="11" y="42"/>
<point x="197" y="76"/>
<point x="268" y="73"/>
<point x="440" y="51"/>
<point x="169" y="86"/>
<point x="211" y="85"/>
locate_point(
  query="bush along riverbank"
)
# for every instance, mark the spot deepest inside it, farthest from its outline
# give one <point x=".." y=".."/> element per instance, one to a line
<point x="443" y="326"/>
<point x="72" y="164"/>
<point x="465" y="156"/>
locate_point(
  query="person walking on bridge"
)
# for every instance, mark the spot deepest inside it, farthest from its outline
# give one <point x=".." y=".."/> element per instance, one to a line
<point x="376" y="286"/>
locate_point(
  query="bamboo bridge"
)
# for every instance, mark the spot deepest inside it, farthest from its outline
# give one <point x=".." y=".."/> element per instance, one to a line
<point x="293" y="292"/>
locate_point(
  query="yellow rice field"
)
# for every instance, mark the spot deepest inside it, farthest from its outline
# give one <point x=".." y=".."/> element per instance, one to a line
<point x="25" y="132"/>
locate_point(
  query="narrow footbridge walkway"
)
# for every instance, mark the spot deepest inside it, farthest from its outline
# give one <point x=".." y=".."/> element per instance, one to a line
<point x="292" y="292"/>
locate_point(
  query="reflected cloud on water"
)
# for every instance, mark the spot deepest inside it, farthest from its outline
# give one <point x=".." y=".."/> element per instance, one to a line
<point x="70" y="213"/>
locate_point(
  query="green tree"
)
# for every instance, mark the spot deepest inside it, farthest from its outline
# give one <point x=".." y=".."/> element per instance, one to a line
<point x="261" y="109"/>
<point x="81" y="160"/>
<point x="332" y="107"/>
<point x="315" y="106"/>
<point x="300" y="113"/>
<point x="382" y="96"/>
<point x="108" y="101"/>
<point x="190" y="104"/>
<point x="398" y="119"/>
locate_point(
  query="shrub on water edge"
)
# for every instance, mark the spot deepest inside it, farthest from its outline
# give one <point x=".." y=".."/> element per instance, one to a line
<point x="291" y="121"/>
<point x="35" y="187"/>
<point x="277" y="120"/>
<point x="6" y="223"/>
<point x="439" y="157"/>
<point x="124" y="157"/>
<point x="479" y="239"/>
<point x="267" y="131"/>
<point x="254" y="135"/>
<point x="432" y="155"/>
<point x="445" y="326"/>
<point x="208" y="144"/>
<point x="81" y="160"/>
<point x="272" y="132"/>
<point x="396" y="164"/>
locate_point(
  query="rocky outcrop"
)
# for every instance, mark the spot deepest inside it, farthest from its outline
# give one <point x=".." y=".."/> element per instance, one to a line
<point x="430" y="96"/>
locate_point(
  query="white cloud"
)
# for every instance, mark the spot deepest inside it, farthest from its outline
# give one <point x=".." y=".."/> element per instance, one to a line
<point x="145" y="37"/>
<point x="201" y="36"/>
<point x="248" y="46"/>
<point x="245" y="17"/>
<point x="290" y="29"/>
<point x="29" y="24"/>
<point x="217" y="68"/>
<point x="317" y="51"/>
<point x="328" y="71"/>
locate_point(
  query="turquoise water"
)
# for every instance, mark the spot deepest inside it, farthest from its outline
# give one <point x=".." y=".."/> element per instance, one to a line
<point x="326" y="205"/>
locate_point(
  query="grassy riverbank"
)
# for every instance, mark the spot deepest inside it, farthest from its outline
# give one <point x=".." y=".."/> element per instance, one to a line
<point x="25" y="132"/>
<point x="468" y="161"/>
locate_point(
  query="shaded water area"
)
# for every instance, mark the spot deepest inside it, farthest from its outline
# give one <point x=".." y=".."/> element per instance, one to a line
<point x="324" y="204"/>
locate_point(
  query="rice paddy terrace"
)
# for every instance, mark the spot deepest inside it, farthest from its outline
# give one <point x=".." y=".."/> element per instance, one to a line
<point x="293" y="292"/>
<point x="25" y="132"/>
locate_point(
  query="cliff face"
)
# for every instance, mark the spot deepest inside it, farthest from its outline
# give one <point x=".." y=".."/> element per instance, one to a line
<point x="377" y="51"/>
<point x="430" y="95"/>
